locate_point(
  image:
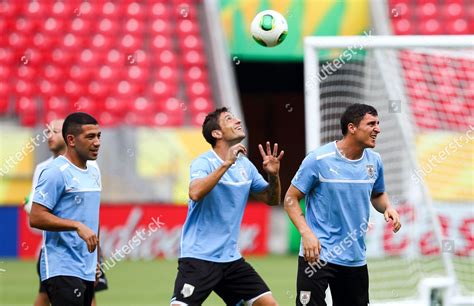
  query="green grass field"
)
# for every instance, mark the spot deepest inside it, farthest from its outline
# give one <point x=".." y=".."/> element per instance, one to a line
<point x="140" y="283"/>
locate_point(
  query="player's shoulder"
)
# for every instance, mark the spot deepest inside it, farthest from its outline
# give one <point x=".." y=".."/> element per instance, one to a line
<point x="93" y="164"/>
<point x="44" y="163"/>
<point x="208" y="156"/>
<point x="373" y="156"/>
<point x="52" y="168"/>
<point x="323" y="152"/>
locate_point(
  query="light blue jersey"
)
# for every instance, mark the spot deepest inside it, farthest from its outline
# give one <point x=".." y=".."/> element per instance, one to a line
<point x="338" y="194"/>
<point x="212" y="225"/>
<point x="70" y="193"/>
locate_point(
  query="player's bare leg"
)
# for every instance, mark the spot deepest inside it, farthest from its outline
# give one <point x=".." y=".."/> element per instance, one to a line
<point x="266" y="300"/>
<point x="41" y="299"/>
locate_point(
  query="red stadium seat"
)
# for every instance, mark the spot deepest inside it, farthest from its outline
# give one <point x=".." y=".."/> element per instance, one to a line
<point x="452" y="11"/>
<point x="163" y="90"/>
<point x="191" y="42"/>
<point x="164" y="119"/>
<point x="49" y="89"/>
<point x="142" y="106"/>
<point x="184" y="10"/>
<point x="167" y="74"/>
<point x="194" y="58"/>
<point x="116" y="106"/>
<point x="108" y="27"/>
<point x="161" y="26"/>
<point x="198" y="118"/>
<point x="130" y="43"/>
<point x="4" y="96"/>
<point x="110" y="9"/>
<point x="4" y="104"/>
<point x="99" y="91"/>
<point x="7" y="56"/>
<point x="159" y="10"/>
<point x="201" y="104"/>
<point x="86" y="105"/>
<point x="81" y="26"/>
<point x="18" y="41"/>
<point x="26" y="72"/>
<point x="136" y="74"/>
<point x="57" y="105"/>
<point x="24" y="88"/>
<point x="430" y="27"/>
<point x="165" y="57"/>
<point x="5" y="73"/>
<point x="102" y="43"/>
<point x="134" y="27"/>
<point x="51" y="115"/>
<point x="108" y="119"/>
<point x="198" y="89"/>
<point x="134" y="9"/>
<point x="187" y="26"/>
<point x="24" y="25"/>
<point x="72" y="43"/>
<point x="44" y="42"/>
<point x="161" y="42"/>
<point x="60" y="56"/>
<point x="35" y="10"/>
<point x="195" y="73"/>
<point x="80" y="73"/>
<point x="458" y="26"/>
<point x="427" y="11"/>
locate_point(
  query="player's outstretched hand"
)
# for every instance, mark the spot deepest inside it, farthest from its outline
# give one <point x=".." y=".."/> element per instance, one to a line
<point x="391" y="214"/>
<point x="311" y="247"/>
<point x="88" y="236"/>
<point x="271" y="160"/>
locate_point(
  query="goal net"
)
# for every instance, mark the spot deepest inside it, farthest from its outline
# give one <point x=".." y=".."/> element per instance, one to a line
<point x="423" y="89"/>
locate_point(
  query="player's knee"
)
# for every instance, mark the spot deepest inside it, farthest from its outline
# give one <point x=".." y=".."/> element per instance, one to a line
<point x="266" y="300"/>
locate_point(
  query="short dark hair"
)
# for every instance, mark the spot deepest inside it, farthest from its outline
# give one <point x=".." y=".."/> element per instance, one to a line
<point x="211" y="123"/>
<point x="74" y="122"/>
<point x="354" y="114"/>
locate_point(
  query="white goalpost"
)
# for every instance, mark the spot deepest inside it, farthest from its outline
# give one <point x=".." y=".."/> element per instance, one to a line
<point x="423" y="90"/>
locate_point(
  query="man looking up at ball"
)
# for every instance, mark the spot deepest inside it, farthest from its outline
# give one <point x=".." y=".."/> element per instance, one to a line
<point x="221" y="181"/>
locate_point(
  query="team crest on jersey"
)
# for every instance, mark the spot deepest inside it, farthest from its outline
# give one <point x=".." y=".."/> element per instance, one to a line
<point x="305" y="296"/>
<point x="187" y="290"/>
<point x="370" y="171"/>
<point x="243" y="173"/>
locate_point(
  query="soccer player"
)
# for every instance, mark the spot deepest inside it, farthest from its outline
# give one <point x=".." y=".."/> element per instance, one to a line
<point x="338" y="181"/>
<point x="65" y="206"/>
<point x="221" y="181"/>
<point x="57" y="146"/>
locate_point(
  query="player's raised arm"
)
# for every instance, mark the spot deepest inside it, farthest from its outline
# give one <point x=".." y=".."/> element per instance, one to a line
<point x="311" y="244"/>
<point x="200" y="187"/>
<point x="271" y="165"/>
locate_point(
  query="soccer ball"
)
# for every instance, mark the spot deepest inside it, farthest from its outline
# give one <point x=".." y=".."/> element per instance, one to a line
<point x="269" y="28"/>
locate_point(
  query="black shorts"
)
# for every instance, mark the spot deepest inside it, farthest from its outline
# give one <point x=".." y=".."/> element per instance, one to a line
<point x="234" y="282"/>
<point x="102" y="282"/>
<point x="42" y="289"/>
<point x="349" y="285"/>
<point x="69" y="291"/>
